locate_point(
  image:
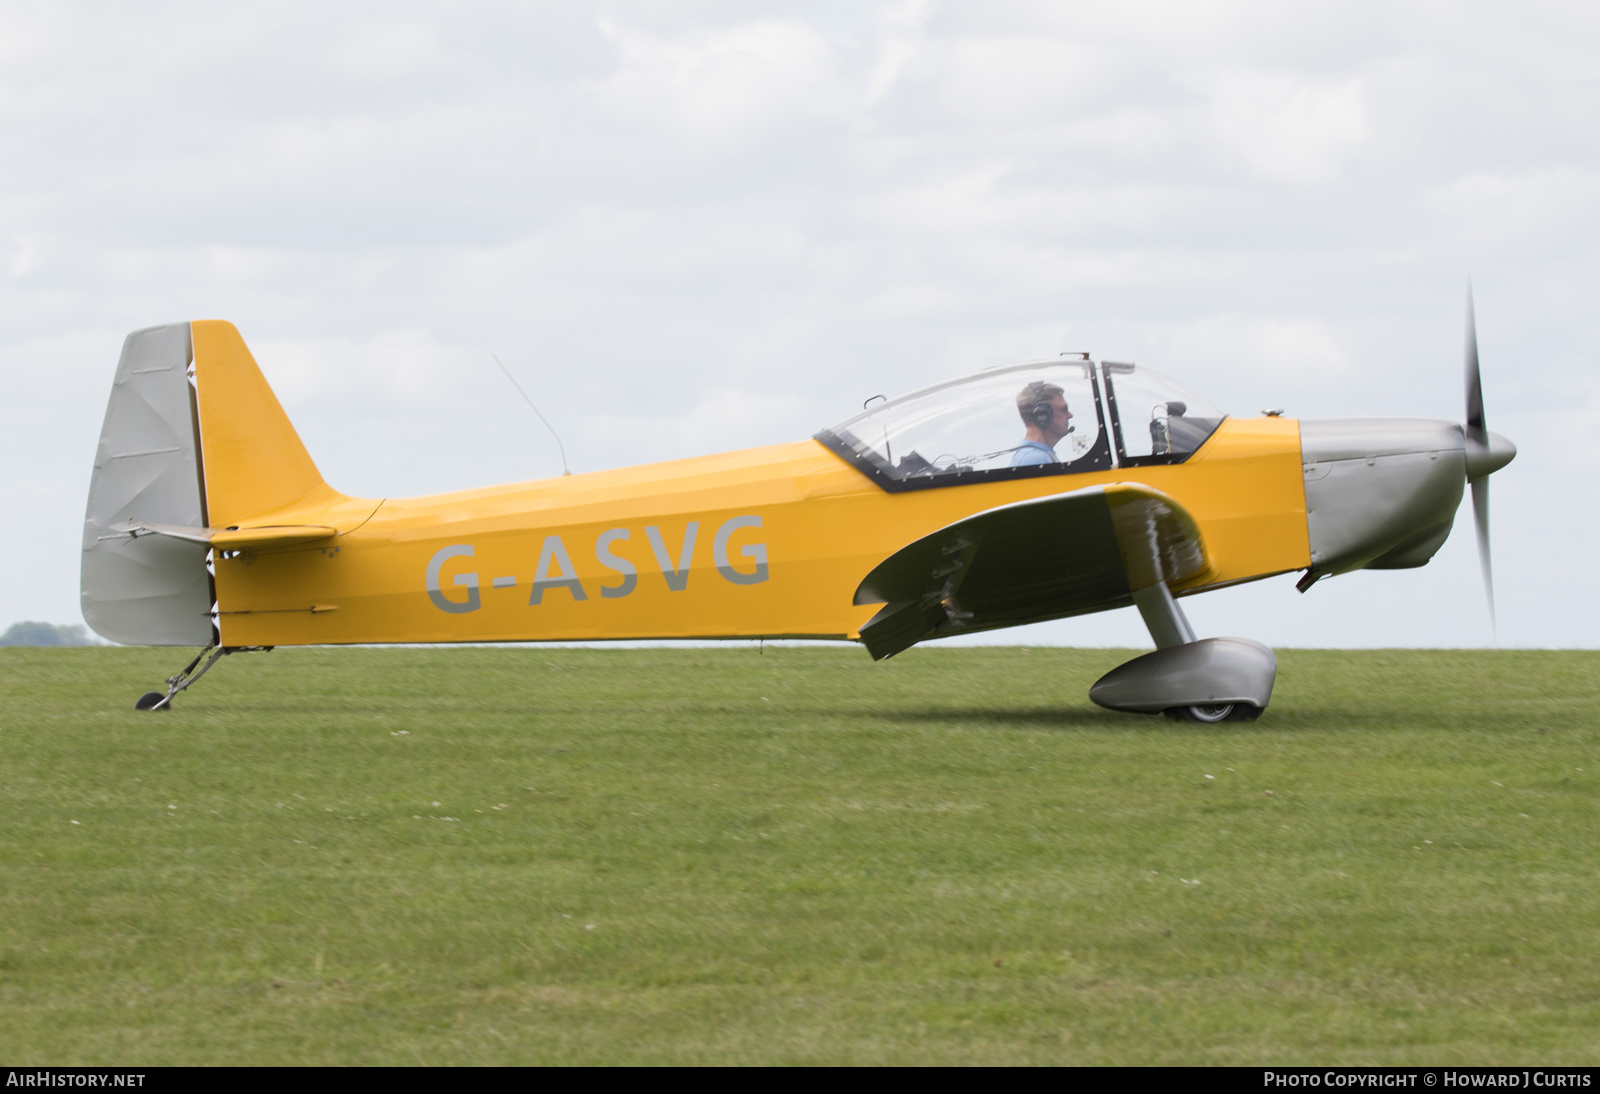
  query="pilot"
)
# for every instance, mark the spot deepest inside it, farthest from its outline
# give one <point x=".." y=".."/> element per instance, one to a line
<point x="1044" y="411"/>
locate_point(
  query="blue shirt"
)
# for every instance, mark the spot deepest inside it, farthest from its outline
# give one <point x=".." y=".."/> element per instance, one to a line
<point x="1033" y="452"/>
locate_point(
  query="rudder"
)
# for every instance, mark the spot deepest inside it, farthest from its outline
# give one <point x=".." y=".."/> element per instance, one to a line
<point x="149" y="590"/>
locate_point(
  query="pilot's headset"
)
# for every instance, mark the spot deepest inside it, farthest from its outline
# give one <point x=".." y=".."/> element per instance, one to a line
<point x="1040" y="411"/>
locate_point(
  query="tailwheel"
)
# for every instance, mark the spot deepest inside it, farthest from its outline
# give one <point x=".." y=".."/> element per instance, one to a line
<point x="155" y="700"/>
<point x="1215" y="712"/>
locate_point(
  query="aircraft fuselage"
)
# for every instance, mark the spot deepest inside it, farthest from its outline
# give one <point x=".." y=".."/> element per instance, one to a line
<point x="766" y="542"/>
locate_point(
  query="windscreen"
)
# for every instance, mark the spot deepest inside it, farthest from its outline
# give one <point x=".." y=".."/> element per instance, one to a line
<point x="1042" y="415"/>
<point x="1159" y="420"/>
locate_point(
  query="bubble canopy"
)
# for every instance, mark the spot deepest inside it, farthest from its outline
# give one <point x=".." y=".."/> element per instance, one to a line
<point x="1055" y="417"/>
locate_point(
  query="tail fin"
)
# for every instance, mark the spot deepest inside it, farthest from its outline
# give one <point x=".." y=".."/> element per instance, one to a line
<point x="190" y="457"/>
<point x="253" y="460"/>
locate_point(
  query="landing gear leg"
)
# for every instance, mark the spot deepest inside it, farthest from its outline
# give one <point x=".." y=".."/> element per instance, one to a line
<point x="154" y="700"/>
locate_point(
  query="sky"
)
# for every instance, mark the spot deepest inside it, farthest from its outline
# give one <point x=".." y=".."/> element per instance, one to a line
<point x="688" y="227"/>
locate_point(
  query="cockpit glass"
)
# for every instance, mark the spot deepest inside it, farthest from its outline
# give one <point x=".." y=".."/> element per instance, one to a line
<point x="1039" y="415"/>
<point x="1158" y="419"/>
<point x="1040" y="418"/>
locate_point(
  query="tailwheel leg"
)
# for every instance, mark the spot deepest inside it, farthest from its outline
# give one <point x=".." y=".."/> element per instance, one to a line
<point x="155" y="700"/>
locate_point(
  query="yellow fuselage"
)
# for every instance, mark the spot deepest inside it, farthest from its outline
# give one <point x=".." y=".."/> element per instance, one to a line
<point x="781" y="538"/>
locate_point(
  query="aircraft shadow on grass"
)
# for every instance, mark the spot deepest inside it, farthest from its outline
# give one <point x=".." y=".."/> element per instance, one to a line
<point x="1051" y="718"/>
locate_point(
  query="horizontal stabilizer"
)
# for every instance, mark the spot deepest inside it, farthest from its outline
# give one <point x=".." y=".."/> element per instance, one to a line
<point x="229" y="539"/>
<point x="1083" y="551"/>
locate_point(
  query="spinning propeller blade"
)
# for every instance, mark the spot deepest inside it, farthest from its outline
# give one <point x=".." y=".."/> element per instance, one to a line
<point x="1477" y="430"/>
<point x="1478" y="434"/>
<point x="1480" y="513"/>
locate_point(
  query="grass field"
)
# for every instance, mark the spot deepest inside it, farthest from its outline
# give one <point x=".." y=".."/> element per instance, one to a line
<point x="713" y="856"/>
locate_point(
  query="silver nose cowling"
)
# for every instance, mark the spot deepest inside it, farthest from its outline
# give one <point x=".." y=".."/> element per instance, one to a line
<point x="1382" y="493"/>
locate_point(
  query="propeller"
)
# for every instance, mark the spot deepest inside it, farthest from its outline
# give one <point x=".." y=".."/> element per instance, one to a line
<point x="1477" y="432"/>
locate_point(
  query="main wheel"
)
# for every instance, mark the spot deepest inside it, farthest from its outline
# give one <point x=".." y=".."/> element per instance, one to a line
<point x="149" y="699"/>
<point x="1210" y="713"/>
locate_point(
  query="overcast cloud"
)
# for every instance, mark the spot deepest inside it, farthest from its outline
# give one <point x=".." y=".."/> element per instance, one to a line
<point x="689" y="227"/>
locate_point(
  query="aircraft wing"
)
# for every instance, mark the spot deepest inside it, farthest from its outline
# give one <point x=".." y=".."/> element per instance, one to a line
<point x="1068" y="554"/>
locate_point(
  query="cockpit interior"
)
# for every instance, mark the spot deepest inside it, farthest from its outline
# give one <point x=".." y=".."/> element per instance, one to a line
<point x="1050" y="417"/>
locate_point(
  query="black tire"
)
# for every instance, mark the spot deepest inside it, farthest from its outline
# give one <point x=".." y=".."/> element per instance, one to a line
<point x="1213" y="713"/>
<point x="149" y="699"/>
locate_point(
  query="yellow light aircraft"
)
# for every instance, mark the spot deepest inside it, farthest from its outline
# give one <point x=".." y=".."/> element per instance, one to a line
<point x="1018" y="494"/>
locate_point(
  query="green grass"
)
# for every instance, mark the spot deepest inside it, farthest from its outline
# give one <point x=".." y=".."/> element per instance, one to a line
<point x="709" y="856"/>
